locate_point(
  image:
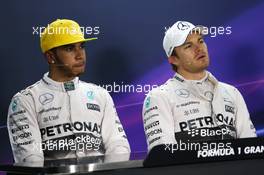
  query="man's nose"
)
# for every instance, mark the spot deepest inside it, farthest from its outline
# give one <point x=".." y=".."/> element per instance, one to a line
<point x="197" y="48"/>
<point x="79" y="53"/>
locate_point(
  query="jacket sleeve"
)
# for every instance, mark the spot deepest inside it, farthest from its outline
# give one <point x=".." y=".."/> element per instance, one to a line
<point x="114" y="137"/>
<point x="23" y="130"/>
<point x="158" y="120"/>
<point x="244" y="125"/>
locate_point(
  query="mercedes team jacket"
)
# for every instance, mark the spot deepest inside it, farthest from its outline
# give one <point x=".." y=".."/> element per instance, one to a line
<point x="53" y="120"/>
<point x="176" y="111"/>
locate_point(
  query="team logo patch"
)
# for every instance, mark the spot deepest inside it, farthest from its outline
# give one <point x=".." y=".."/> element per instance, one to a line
<point x="209" y="95"/>
<point x="90" y="95"/>
<point x="14" y="105"/>
<point x="230" y="109"/>
<point x="69" y="86"/>
<point x="183" y="25"/>
<point x="46" y="98"/>
<point x="178" y="78"/>
<point x="147" y="103"/>
<point x="184" y="93"/>
<point x="94" y="107"/>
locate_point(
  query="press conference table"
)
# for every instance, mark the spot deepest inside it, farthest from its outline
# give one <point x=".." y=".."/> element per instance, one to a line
<point x="238" y="167"/>
<point x="159" y="161"/>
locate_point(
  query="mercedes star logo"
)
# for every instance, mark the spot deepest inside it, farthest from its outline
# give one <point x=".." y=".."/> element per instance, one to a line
<point x="183" y="25"/>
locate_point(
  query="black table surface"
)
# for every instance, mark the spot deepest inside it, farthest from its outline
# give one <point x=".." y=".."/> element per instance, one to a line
<point x="158" y="161"/>
<point x="238" y="167"/>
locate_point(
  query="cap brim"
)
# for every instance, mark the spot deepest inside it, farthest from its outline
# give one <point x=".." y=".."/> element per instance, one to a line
<point x="76" y="41"/>
<point x="90" y="39"/>
<point x="82" y="40"/>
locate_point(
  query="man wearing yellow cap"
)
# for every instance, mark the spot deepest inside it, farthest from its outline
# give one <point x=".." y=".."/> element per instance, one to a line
<point x="60" y="116"/>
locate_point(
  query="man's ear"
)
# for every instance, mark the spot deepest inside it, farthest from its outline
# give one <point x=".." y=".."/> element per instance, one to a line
<point x="173" y="60"/>
<point x="50" y="57"/>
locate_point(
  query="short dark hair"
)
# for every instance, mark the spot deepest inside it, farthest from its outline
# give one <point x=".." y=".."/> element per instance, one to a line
<point x="174" y="53"/>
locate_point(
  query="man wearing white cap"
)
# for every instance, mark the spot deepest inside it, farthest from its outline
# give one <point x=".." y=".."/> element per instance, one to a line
<point x="193" y="105"/>
<point x="60" y="116"/>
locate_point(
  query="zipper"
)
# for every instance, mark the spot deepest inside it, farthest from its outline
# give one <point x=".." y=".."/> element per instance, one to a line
<point x="71" y="121"/>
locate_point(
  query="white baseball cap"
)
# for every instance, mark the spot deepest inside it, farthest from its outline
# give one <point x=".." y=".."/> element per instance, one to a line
<point x="177" y="34"/>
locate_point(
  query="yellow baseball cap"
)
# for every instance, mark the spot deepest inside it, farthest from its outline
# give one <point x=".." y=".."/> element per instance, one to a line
<point x="61" y="32"/>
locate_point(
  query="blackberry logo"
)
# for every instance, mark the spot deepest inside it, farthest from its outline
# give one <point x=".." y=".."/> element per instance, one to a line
<point x="193" y="132"/>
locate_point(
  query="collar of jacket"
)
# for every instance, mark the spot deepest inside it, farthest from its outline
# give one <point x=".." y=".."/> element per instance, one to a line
<point x="208" y="76"/>
<point x="60" y="86"/>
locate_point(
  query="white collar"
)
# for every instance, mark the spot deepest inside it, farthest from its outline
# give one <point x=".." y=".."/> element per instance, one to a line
<point x="60" y="86"/>
<point x="208" y="76"/>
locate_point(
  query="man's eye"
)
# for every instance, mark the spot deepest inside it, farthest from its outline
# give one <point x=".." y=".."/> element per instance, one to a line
<point x="82" y="46"/>
<point x="187" y="46"/>
<point x="201" y="41"/>
<point x="69" y="49"/>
